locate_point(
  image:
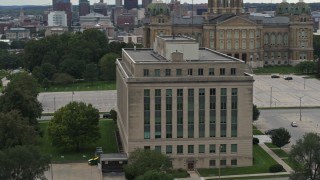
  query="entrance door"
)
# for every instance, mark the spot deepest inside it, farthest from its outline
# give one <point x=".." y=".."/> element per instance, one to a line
<point x="190" y="165"/>
<point x="244" y="57"/>
<point x="236" y="55"/>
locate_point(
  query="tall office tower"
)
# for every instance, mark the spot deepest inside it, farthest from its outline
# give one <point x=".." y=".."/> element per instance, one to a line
<point x="84" y="7"/>
<point x="63" y="5"/>
<point x="100" y="8"/>
<point x="145" y="3"/>
<point x="118" y="2"/>
<point x="130" y="4"/>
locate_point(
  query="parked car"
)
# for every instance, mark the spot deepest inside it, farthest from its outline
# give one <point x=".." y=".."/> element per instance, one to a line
<point x="106" y="115"/>
<point x="93" y="161"/>
<point x="275" y="76"/>
<point x="294" y="124"/>
<point x="288" y="78"/>
<point x="270" y="131"/>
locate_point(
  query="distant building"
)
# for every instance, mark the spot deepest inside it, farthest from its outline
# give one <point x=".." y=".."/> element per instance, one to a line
<point x="84" y="7"/>
<point x="131" y="39"/>
<point x="192" y="104"/>
<point x="55" y="30"/>
<point x="126" y="21"/>
<point x="16" y="34"/>
<point x="130" y="4"/>
<point x="97" y="21"/>
<point x="145" y="3"/>
<point x="100" y="8"/>
<point x="63" y="5"/>
<point x="57" y="18"/>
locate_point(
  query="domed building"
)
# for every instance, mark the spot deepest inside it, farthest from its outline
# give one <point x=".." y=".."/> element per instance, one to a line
<point x="286" y="38"/>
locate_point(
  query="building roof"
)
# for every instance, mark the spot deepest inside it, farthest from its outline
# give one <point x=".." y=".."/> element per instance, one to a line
<point x="148" y="55"/>
<point x="271" y="20"/>
<point x="113" y="156"/>
<point x="188" y="20"/>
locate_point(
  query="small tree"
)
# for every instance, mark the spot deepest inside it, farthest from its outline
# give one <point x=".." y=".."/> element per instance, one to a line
<point x="23" y="163"/>
<point x="73" y="125"/>
<point x="155" y="175"/>
<point x="113" y="115"/>
<point x="141" y="161"/>
<point x="91" y="72"/>
<point x="280" y="137"/>
<point x="255" y="113"/>
<point x="306" y="151"/>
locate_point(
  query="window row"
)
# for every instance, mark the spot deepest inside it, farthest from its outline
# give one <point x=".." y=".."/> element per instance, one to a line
<point x="188" y="72"/>
<point x="223" y="162"/>
<point x="192" y="149"/>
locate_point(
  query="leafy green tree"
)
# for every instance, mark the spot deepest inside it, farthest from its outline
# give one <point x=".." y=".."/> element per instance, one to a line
<point x="73" y="67"/>
<point x="91" y="72"/>
<point x="21" y="95"/>
<point x="108" y="67"/>
<point x="306" y="67"/>
<point x="113" y="115"/>
<point x="255" y="112"/>
<point x="316" y="45"/>
<point x="48" y="70"/>
<point x="155" y="175"/>
<point x="306" y="151"/>
<point x="4" y="45"/>
<point x="280" y="137"/>
<point x="73" y="125"/>
<point x="17" y="44"/>
<point x="62" y="78"/>
<point x="23" y="163"/>
<point x="141" y="161"/>
<point x="15" y="130"/>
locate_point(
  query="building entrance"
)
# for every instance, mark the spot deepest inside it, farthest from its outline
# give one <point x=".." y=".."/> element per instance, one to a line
<point x="190" y="165"/>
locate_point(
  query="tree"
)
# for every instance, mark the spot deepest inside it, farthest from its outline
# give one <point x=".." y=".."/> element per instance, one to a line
<point x="73" y="125"/>
<point x="4" y="45"/>
<point x="21" y="95"/>
<point x="155" y="175"/>
<point x="255" y="112"/>
<point x="91" y="72"/>
<point x="108" y="67"/>
<point x="23" y="163"/>
<point x="15" y="130"/>
<point x="62" y="78"/>
<point x="306" y="151"/>
<point x="113" y="115"/>
<point x="306" y="67"/>
<point x="17" y="44"/>
<point x="280" y="137"/>
<point x="141" y="161"/>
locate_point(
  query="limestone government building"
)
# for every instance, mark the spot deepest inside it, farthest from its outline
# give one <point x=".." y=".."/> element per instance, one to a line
<point x="193" y="104"/>
<point x="286" y="38"/>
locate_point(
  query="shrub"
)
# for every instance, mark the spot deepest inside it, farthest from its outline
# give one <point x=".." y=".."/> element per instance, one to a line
<point x="276" y="168"/>
<point x="255" y="140"/>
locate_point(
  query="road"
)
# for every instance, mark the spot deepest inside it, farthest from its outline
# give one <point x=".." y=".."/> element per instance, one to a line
<point x="275" y="118"/>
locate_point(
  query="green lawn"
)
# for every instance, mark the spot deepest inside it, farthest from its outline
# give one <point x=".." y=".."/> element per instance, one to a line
<point x="280" y="153"/>
<point x="292" y="163"/>
<point x="256" y="177"/>
<point x="270" y="145"/>
<point x="107" y="142"/>
<point x="275" y="69"/>
<point x="82" y="86"/>
<point x="256" y="131"/>
<point x="261" y="163"/>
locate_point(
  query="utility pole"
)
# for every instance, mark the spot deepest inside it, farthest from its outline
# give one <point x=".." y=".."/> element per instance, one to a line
<point x="54" y="103"/>
<point x="300" y="107"/>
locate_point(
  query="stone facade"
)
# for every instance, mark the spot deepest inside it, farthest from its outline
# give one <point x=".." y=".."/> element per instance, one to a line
<point x="284" y="39"/>
<point x="194" y="107"/>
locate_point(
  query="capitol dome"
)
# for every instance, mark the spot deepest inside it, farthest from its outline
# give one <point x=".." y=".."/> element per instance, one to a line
<point x="157" y="8"/>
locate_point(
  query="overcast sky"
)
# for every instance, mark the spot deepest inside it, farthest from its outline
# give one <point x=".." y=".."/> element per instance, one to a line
<point x="75" y="2"/>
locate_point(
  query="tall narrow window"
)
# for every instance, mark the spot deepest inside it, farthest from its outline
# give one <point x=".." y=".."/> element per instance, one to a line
<point x="223" y="112"/>
<point x="234" y="112"/>
<point x="179" y="149"/>
<point x="145" y="72"/>
<point x="147" y="114"/>
<point x="222" y="71"/>
<point x="179" y="113"/>
<point x="211" y="71"/>
<point x="201" y="112"/>
<point x="168" y="113"/>
<point x="190" y="72"/>
<point x="200" y="71"/>
<point x="190" y="113"/>
<point x="233" y="71"/>
<point x="157" y="72"/>
<point x="212" y="112"/>
<point x="168" y="72"/>
<point x="157" y="113"/>
<point x="190" y="149"/>
<point x="178" y="72"/>
<point x="212" y="148"/>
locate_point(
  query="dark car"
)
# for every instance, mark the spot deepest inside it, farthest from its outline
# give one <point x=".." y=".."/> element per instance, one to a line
<point x="275" y="76"/>
<point x="106" y="115"/>
<point x="270" y="131"/>
<point x="288" y="78"/>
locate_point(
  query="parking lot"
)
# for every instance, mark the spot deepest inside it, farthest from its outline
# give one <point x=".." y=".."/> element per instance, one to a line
<point x="278" y="92"/>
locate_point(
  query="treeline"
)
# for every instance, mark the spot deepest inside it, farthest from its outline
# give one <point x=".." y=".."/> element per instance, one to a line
<point x="65" y="58"/>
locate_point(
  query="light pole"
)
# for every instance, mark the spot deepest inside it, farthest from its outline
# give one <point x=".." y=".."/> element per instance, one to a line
<point x="270" y="96"/>
<point x="219" y="159"/>
<point x="300" y="107"/>
<point x="304" y="83"/>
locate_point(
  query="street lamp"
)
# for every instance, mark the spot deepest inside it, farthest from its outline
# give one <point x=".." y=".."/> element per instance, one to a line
<point x="270" y="96"/>
<point x="220" y="147"/>
<point x="300" y="106"/>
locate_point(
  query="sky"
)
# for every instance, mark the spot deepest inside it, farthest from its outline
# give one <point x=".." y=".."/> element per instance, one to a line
<point x="76" y="2"/>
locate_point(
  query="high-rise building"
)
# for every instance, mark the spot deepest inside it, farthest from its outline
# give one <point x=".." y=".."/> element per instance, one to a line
<point x="118" y="2"/>
<point x="57" y="18"/>
<point x="145" y="3"/>
<point x="101" y="8"/>
<point x="192" y="104"/>
<point x="63" y="5"/>
<point x="130" y="4"/>
<point x="84" y="7"/>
